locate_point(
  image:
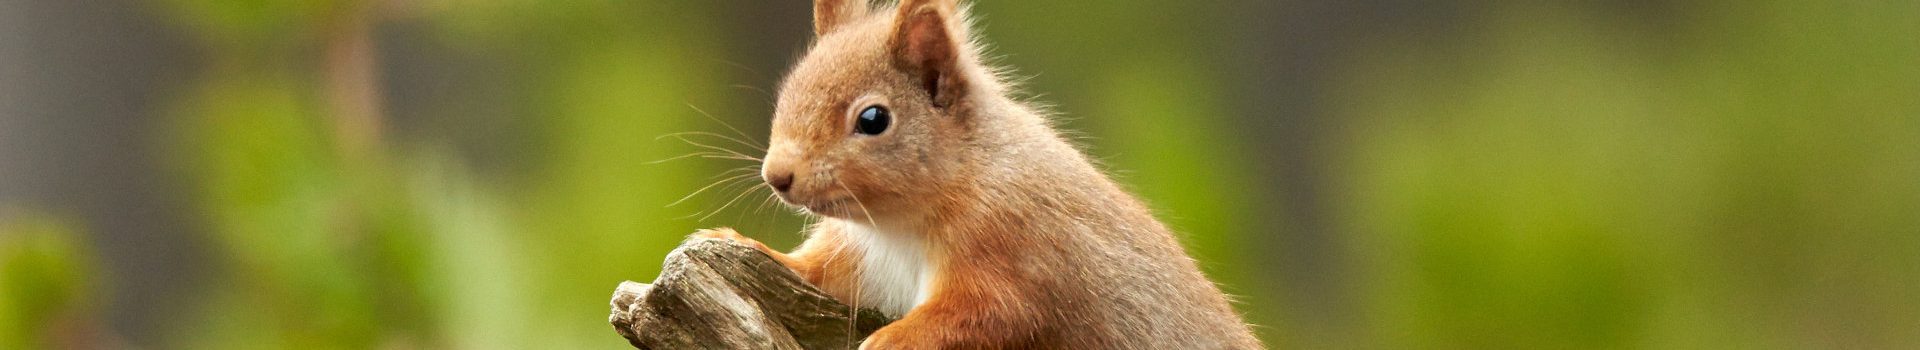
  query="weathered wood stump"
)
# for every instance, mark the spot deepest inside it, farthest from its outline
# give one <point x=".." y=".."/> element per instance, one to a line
<point x="717" y="294"/>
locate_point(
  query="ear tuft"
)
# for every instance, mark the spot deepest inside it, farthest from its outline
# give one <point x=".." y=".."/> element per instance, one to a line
<point x="832" y="14"/>
<point x="924" y="46"/>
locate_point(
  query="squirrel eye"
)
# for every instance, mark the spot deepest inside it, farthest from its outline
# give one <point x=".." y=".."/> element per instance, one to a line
<point x="873" y="120"/>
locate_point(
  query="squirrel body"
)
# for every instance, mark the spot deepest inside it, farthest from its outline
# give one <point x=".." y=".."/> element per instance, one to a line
<point x="959" y="209"/>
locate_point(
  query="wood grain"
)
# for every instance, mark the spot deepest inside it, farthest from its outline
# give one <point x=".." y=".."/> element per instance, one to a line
<point x="717" y="294"/>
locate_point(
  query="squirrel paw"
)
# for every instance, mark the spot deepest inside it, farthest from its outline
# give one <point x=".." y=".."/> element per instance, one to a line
<point x="726" y="234"/>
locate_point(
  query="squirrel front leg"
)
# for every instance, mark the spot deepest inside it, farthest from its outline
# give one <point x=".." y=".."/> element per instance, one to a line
<point x="976" y="315"/>
<point x="799" y="266"/>
<point x="822" y="260"/>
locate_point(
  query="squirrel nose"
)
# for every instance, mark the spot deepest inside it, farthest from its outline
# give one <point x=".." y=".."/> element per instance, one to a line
<point x="780" y="181"/>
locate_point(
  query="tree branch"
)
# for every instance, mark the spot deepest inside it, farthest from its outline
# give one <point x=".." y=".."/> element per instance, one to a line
<point x="717" y="294"/>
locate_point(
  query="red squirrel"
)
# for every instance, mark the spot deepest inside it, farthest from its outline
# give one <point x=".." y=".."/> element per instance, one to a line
<point x="960" y="210"/>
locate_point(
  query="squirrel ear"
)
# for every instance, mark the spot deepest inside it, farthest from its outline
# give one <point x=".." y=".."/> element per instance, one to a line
<point x="923" y="45"/>
<point x="831" y="14"/>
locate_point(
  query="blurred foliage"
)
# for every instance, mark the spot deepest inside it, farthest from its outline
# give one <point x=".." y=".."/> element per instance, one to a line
<point x="329" y="247"/>
<point x="47" y="284"/>
<point x="1746" y="180"/>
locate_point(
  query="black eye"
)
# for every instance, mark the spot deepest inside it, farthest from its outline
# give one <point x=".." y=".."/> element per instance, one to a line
<point x="873" y="120"/>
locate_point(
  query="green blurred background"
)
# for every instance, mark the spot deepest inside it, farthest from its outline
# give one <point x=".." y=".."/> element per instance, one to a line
<point x="473" y="174"/>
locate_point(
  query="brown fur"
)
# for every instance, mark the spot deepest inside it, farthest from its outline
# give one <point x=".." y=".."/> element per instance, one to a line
<point x="1027" y="243"/>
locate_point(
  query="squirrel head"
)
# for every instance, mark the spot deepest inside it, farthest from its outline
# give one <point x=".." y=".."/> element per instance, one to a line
<point x="878" y="115"/>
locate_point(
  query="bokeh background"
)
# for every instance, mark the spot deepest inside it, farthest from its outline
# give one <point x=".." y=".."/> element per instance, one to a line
<point x="476" y="174"/>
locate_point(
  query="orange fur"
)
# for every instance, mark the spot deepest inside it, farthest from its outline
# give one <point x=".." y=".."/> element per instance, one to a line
<point x="970" y="218"/>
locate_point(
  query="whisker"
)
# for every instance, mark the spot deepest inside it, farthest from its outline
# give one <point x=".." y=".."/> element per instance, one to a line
<point x="731" y="157"/>
<point x="708" y="155"/>
<point x="684" y="156"/>
<point x="712" y="147"/>
<point x="763" y="92"/>
<point x="725" y="137"/>
<point x="812" y="223"/>
<point x="853" y="311"/>
<point x="749" y="168"/>
<point x="735" y="178"/>
<point x="730" y="186"/>
<point x="736" y="131"/>
<point x="730" y="202"/>
<point x="737" y="65"/>
<point x="758" y="210"/>
<point x="856" y="201"/>
<point x="764" y="203"/>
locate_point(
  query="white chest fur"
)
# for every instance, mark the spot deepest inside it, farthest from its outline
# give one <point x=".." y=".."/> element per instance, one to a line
<point x="895" y="274"/>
